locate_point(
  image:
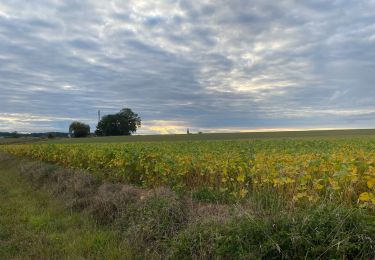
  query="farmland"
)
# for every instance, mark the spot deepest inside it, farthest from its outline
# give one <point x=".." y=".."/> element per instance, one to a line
<point x="298" y="170"/>
<point x="222" y="136"/>
<point x="277" y="195"/>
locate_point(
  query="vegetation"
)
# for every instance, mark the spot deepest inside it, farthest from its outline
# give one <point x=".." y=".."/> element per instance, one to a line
<point x="30" y="135"/>
<point x="33" y="225"/>
<point x="322" y="232"/>
<point x="323" y="134"/>
<point x="125" y="122"/>
<point x="282" y="198"/>
<point x="21" y="140"/>
<point x="79" y="129"/>
<point x="162" y="224"/>
<point x="298" y="171"/>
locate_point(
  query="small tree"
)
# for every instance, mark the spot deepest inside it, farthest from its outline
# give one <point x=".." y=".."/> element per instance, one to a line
<point x="125" y="122"/>
<point x="79" y="129"/>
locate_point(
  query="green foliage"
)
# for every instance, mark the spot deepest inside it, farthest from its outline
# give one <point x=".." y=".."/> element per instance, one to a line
<point x="327" y="231"/>
<point x="160" y="224"/>
<point x="79" y="129"/>
<point x="33" y="225"/>
<point x="297" y="170"/>
<point x="125" y="122"/>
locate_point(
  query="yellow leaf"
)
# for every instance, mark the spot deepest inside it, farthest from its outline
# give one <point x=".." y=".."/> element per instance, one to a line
<point x="299" y="195"/>
<point x="371" y="183"/>
<point x="318" y="186"/>
<point x="243" y="193"/>
<point x="354" y="170"/>
<point x="276" y="181"/>
<point x="289" y="180"/>
<point x="365" y="196"/>
<point x="241" y="177"/>
<point x="334" y="184"/>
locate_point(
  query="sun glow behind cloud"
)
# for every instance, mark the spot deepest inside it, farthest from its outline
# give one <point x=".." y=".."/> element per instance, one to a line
<point x="204" y="65"/>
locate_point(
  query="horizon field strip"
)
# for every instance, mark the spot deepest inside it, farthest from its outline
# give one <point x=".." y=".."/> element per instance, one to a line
<point x="221" y="136"/>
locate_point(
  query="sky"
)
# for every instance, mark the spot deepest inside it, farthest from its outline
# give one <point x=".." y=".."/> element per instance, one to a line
<point x="211" y="66"/>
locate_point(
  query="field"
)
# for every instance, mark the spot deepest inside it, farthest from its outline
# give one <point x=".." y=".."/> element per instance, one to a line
<point x="222" y="136"/>
<point x="273" y="195"/>
<point x="298" y="170"/>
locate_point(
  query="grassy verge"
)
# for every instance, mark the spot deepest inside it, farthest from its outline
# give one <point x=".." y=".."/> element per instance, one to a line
<point x="91" y="219"/>
<point x="34" y="225"/>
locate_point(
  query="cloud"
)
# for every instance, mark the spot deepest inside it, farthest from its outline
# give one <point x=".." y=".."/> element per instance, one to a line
<point x="201" y="64"/>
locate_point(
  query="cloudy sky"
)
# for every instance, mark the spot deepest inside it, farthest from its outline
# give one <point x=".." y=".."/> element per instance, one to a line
<point x="208" y="65"/>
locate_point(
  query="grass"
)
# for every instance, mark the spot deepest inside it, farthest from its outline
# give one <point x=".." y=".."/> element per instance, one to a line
<point x="35" y="225"/>
<point x="220" y="136"/>
<point x="323" y="232"/>
<point x="161" y="224"/>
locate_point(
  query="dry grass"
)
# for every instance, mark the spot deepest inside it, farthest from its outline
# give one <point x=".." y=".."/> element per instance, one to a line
<point x="112" y="200"/>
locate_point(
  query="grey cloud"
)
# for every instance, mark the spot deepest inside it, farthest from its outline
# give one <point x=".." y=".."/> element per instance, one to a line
<point x="206" y="64"/>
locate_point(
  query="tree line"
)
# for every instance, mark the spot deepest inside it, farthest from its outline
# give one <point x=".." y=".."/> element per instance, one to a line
<point x="124" y="122"/>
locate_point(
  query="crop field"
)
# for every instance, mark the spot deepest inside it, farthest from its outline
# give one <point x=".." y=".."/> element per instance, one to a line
<point x="300" y="195"/>
<point x="221" y="136"/>
<point x="299" y="171"/>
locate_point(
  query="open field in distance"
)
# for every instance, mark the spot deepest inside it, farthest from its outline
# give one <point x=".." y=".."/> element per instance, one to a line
<point x="221" y="136"/>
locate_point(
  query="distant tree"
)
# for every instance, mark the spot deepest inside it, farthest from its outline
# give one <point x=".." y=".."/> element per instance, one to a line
<point x="125" y="122"/>
<point x="79" y="129"/>
<point x="15" y="134"/>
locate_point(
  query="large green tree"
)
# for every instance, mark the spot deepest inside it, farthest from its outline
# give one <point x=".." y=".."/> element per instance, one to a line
<point x="125" y="122"/>
<point x="79" y="129"/>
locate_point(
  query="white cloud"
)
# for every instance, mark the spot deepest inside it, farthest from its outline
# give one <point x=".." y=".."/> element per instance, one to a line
<point x="208" y="64"/>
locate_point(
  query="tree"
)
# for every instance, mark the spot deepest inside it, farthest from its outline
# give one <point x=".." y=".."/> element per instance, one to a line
<point x="79" y="129"/>
<point x="125" y="122"/>
<point x="15" y="134"/>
